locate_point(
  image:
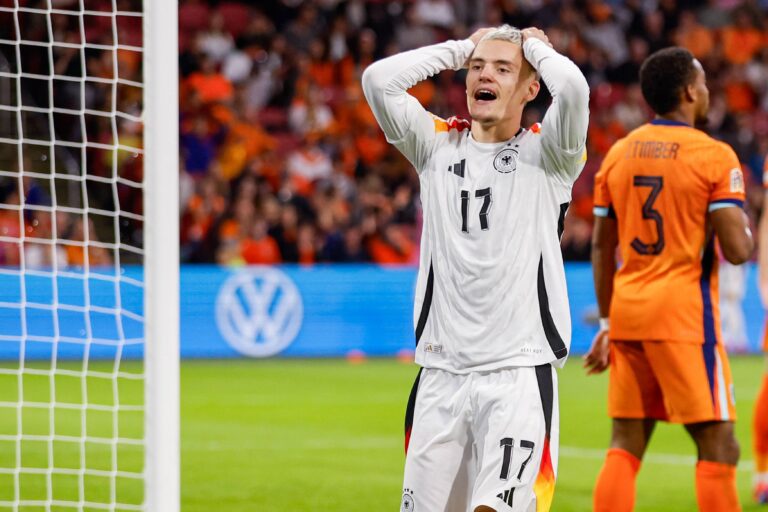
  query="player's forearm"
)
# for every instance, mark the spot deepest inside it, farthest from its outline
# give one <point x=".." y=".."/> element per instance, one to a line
<point x="733" y="234"/>
<point x="603" y="270"/>
<point x="386" y="81"/>
<point x="604" y="242"/>
<point x="570" y="93"/>
<point x="400" y="72"/>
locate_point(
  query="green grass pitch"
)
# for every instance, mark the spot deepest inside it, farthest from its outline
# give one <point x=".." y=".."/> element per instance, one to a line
<point x="315" y="435"/>
<point x="326" y="435"/>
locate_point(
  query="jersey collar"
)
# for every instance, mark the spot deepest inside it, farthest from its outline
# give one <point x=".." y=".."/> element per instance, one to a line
<point x="669" y="122"/>
<point x="491" y="146"/>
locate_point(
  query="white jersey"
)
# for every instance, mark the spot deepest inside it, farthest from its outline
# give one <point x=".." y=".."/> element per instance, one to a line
<point x="491" y="290"/>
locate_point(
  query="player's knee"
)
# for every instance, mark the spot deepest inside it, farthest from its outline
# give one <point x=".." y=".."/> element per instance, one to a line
<point x="631" y="436"/>
<point x="731" y="451"/>
<point x="484" y="508"/>
<point x="717" y="442"/>
<point x="726" y="451"/>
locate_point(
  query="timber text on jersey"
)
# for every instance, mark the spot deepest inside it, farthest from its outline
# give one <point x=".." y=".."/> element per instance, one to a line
<point x="652" y="149"/>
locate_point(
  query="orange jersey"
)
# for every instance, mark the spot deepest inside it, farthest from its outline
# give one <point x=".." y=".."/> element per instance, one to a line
<point x="660" y="182"/>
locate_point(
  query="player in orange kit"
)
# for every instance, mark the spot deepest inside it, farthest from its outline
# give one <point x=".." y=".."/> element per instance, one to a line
<point x="661" y="196"/>
<point x="760" y="417"/>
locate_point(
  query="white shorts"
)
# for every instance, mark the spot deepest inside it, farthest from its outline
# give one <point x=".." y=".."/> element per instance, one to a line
<point x="485" y="438"/>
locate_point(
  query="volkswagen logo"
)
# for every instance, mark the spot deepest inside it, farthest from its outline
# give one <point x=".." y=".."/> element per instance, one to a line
<point x="259" y="311"/>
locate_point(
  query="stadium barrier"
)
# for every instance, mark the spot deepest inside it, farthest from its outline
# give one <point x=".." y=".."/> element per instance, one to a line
<point x="293" y="311"/>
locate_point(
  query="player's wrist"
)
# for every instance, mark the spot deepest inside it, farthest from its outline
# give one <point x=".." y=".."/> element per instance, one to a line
<point x="604" y="323"/>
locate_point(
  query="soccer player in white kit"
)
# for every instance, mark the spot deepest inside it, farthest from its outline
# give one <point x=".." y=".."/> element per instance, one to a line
<point x="491" y="309"/>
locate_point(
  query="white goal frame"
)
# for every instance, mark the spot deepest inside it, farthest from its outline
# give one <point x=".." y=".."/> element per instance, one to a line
<point x="36" y="449"/>
<point x="161" y="265"/>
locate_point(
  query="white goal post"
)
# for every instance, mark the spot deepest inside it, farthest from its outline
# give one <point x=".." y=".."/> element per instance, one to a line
<point x="89" y="256"/>
<point x="161" y="200"/>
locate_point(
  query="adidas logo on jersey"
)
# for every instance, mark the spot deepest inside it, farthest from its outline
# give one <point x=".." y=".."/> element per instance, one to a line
<point x="458" y="169"/>
<point x="506" y="496"/>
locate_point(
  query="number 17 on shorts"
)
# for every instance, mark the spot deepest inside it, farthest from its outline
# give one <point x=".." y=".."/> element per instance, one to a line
<point x="483" y="439"/>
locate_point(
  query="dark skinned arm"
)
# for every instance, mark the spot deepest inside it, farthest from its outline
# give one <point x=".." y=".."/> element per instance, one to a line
<point x="605" y="239"/>
<point x="732" y="229"/>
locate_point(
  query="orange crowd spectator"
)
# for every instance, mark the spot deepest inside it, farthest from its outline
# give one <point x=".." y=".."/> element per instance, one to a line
<point x="391" y="247"/>
<point x="351" y="67"/>
<point x="321" y="69"/>
<point x="97" y="255"/>
<point x="604" y="131"/>
<point x="210" y="85"/>
<point x="739" y="95"/>
<point x="742" y="40"/>
<point x="260" y="248"/>
<point x="309" y="114"/>
<point x="204" y="207"/>
<point x="697" y="38"/>
<point x="307" y="164"/>
<point x="353" y="113"/>
<point x="371" y="146"/>
<point x="244" y="141"/>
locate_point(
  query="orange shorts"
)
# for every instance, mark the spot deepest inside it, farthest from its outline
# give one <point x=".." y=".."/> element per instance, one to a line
<point x="670" y="381"/>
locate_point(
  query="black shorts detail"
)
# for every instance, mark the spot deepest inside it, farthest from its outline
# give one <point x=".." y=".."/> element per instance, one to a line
<point x="409" y="410"/>
<point x="425" y="306"/>
<point x="547" y="393"/>
<point x="550" y="331"/>
<point x="561" y="219"/>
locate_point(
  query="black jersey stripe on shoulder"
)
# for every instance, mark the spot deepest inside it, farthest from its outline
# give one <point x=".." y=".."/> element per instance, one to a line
<point x="550" y="330"/>
<point x="426" y="305"/>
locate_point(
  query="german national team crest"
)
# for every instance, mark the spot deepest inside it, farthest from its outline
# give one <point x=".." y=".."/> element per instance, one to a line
<point x="407" y="505"/>
<point x="506" y="160"/>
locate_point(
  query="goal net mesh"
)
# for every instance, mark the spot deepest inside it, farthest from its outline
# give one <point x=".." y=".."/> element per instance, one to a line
<point x="71" y="255"/>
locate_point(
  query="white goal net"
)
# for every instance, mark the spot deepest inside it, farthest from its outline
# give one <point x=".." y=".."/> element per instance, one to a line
<point x="77" y="260"/>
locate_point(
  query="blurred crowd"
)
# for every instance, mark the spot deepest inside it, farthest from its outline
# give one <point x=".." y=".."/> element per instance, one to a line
<point x="79" y="199"/>
<point x="281" y="158"/>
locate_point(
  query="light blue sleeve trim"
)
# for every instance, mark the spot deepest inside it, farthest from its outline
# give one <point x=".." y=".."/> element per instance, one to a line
<point x="720" y="206"/>
<point x="601" y="211"/>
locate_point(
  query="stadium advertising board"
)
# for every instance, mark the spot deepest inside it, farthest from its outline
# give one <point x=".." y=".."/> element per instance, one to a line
<point x="319" y="311"/>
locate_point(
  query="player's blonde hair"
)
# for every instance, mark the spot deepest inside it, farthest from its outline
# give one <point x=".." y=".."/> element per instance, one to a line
<point x="512" y="35"/>
<point x="504" y="33"/>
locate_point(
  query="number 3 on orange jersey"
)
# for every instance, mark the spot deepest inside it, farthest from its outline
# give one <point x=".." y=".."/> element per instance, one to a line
<point x="656" y="183"/>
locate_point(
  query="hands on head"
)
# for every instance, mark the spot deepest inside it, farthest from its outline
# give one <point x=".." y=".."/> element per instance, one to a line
<point x="535" y="33"/>
<point x="478" y="34"/>
<point x="530" y="32"/>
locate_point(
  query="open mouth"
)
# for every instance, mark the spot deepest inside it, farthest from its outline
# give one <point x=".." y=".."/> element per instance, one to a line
<point x="485" y="95"/>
